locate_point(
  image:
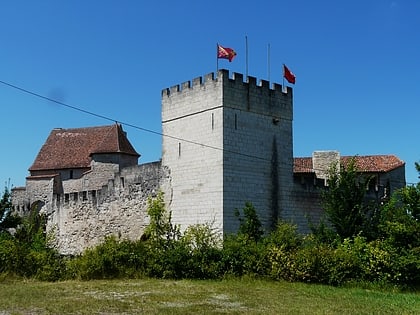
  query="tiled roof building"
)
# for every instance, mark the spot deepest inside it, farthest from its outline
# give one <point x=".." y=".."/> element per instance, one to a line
<point x="75" y="149"/>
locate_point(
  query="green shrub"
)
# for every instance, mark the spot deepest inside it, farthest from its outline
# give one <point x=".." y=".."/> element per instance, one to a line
<point x="241" y="257"/>
<point x="205" y="251"/>
<point x="113" y="258"/>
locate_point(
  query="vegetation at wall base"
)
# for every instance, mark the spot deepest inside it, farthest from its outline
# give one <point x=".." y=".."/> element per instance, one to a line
<point x="390" y="260"/>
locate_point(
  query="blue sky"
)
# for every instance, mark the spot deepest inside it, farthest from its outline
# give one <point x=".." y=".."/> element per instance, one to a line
<point x="356" y="62"/>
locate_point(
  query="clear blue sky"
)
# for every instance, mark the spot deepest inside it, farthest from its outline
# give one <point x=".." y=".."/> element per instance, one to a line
<point x="356" y="62"/>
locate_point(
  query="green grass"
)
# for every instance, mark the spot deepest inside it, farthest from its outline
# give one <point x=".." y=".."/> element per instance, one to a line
<point x="234" y="296"/>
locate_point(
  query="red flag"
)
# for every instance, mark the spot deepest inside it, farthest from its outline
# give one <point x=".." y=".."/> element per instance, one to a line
<point x="288" y="75"/>
<point x="225" y="53"/>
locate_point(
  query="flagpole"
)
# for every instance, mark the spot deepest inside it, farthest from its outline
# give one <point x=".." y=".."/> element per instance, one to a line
<point x="283" y="81"/>
<point x="246" y="57"/>
<point x="268" y="62"/>
<point x="217" y="58"/>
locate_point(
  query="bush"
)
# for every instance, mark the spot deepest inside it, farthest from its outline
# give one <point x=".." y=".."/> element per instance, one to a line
<point x="241" y="257"/>
<point x="113" y="258"/>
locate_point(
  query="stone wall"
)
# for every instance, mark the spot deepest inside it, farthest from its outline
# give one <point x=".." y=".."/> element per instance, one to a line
<point x="83" y="219"/>
<point x="230" y="142"/>
<point x="258" y="149"/>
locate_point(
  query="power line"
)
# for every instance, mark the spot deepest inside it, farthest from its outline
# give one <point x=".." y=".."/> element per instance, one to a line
<point x="128" y="124"/>
<point x="138" y="127"/>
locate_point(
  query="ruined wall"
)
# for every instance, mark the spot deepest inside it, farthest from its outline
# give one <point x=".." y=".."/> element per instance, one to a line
<point x="83" y="219"/>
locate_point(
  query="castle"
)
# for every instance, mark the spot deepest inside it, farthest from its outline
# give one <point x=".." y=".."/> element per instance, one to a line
<point x="225" y="141"/>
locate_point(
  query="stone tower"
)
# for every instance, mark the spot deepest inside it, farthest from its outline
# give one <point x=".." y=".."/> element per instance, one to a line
<point x="227" y="142"/>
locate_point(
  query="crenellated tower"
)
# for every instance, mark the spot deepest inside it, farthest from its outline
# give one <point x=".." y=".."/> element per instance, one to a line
<point x="227" y="141"/>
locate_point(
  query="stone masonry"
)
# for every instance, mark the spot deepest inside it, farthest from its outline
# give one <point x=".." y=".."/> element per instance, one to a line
<point x="231" y="142"/>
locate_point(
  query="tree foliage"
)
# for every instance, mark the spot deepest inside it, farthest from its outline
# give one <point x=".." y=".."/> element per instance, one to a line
<point x="160" y="227"/>
<point x="249" y="225"/>
<point x="7" y="218"/>
<point x="344" y="200"/>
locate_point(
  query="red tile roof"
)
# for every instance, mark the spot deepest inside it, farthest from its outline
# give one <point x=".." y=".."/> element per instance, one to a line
<point x="366" y="164"/>
<point x="72" y="148"/>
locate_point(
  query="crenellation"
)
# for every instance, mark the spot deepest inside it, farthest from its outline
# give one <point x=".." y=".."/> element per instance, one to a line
<point x="264" y="84"/>
<point x="209" y="77"/>
<point x="235" y="82"/>
<point x="197" y="82"/>
<point x="186" y="85"/>
<point x="174" y="89"/>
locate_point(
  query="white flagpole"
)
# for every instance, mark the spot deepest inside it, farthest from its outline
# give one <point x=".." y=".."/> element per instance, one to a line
<point x="246" y="57"/>
<point x="217" y="58"/>
<point x="268" y="62"/>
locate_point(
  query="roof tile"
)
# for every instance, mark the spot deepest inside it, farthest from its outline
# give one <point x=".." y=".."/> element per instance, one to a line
<point x="72" y="148"/>
<point x="366" y="164"/>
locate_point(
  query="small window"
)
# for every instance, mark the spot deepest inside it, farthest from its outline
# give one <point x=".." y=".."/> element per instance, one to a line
<point x="236" y="122"/>
<point x="84" y="195"/>
<point x="122" y="182"/>
<point x="71" y="174"/>
<point x="66" y="198"/>
<point x="212" y="121"/>
<point x="76" y="196"/>
<point x="179" y="149"/>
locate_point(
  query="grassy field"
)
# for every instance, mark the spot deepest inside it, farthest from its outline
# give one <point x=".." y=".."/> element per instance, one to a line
<point x="235" y="296"/>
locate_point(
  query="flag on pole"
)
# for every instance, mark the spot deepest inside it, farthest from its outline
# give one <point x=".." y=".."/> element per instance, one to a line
<point x="288" y="75"/>
<point x="225" y="53"/>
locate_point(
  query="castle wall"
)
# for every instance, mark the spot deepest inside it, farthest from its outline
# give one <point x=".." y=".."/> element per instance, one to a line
<point x="82" y="219"/>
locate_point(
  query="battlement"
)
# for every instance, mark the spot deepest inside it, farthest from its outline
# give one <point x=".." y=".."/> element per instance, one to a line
<point x="235" y="79"/>
<point x="210" y="92"/>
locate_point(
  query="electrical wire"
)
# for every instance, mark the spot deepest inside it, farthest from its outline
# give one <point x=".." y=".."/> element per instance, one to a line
<point x="135" y="126"/>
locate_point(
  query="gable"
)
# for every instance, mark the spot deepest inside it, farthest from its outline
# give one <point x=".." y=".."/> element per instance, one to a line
<point x="72" y="148"/>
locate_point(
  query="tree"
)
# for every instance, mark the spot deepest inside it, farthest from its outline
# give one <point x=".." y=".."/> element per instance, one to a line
<point x="400" y="217"/>
<point x="344" y="200"/>
<point x="7" y="218"/>
<point x="250" y="225"/>
<point x="160" y="227"/>
<point x="417" y="165"/>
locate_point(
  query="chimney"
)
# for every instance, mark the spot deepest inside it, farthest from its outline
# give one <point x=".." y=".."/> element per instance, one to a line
<point x="322" y="161"/>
